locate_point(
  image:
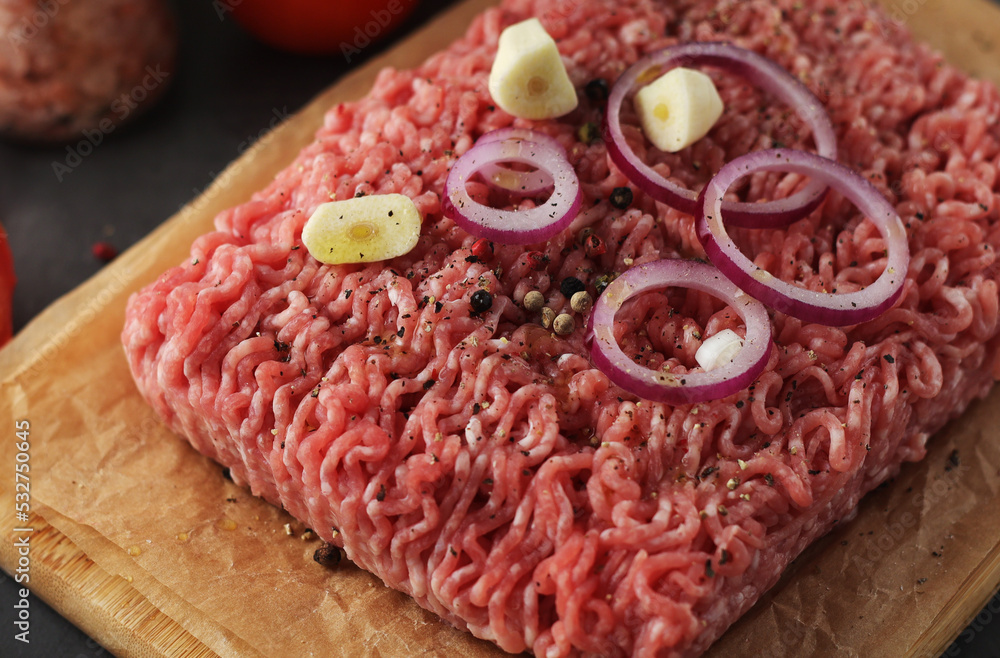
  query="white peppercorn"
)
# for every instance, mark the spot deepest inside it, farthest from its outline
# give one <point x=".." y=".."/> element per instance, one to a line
<point x="564" y="324"/>
<point x="533" y="301"/>
<point x="581" y="302"/>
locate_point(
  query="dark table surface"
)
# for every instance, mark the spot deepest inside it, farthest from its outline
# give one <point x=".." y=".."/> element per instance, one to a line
<point x="228" y="90"/>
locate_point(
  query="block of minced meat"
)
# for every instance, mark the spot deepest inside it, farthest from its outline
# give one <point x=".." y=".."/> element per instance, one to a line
<point x="440" y="414"/>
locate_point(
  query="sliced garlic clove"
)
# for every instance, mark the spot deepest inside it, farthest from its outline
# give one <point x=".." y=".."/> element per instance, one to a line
<point x="362" y="230"/>
<point x="528" y="78"/>
<point x="718" y="350"/>
<point x="678" y="108"/>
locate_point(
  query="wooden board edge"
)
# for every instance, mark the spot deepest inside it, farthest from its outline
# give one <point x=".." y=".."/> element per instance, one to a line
<point x="978" y="588"/>
<point x="104" y="606"/>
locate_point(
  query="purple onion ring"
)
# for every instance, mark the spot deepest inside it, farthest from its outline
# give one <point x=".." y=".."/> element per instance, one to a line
<point x="829" y="308"/>
<point x="663" y="386"/>
<point x="513" y="226"/>
<point x="757" y="70"/>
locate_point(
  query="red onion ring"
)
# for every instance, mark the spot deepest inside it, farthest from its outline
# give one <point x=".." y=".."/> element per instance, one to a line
<point x="513" y="226"/>
<point x="759" y="71"/>
<point x="691" y="387"/>
<point x="522" y="183"/>
<point x="524" y="134"/>
<point x="834" y="309"/>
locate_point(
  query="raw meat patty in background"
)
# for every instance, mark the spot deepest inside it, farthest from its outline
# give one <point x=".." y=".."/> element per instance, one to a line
<point x="481" y="464"/>
<point x="66" y="66"/>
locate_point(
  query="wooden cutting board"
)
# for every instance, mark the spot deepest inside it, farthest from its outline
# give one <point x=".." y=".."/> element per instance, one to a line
<point x="107" y="607"/>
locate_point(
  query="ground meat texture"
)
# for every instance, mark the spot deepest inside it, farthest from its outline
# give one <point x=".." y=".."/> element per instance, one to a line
<point x="66" y="67"/>
<point x="481" y="464"/>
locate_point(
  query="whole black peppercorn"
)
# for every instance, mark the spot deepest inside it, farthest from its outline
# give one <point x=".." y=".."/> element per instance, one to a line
<point x="327" y="555"/>
<point x="481" y="301"/>
<point x="571" y="285"/>
<point x="597" y="90"/>
<point x="621" y="197"/>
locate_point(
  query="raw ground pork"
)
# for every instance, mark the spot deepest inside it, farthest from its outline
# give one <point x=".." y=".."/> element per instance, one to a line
<point x="481" y="464"/>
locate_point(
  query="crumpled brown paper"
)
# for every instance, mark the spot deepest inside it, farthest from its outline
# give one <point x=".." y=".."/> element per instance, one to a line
<point x="903" y="578"/>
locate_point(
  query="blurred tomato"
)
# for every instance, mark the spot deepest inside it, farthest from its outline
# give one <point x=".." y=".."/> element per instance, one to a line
<point x="320" y="26"/>
<point x="6" y="288"/>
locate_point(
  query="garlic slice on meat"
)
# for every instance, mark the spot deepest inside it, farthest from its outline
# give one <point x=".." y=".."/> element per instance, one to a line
<point x="718" y="350"/>
<point x="366" y="229"/>
<point x="528" y="78"/>
<point x="678" y="108"/>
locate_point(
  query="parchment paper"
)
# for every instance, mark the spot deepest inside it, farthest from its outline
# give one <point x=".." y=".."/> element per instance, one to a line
<point x="903" y="578"/>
